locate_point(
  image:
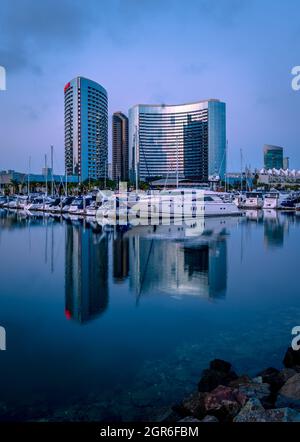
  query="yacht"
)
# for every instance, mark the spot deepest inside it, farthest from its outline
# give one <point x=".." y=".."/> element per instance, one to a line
<point x="167" y="204"/>
<point x="254" y="200"/>
<point x="291" y="201"/>
<point x="76" y="205"/>
<point x="63" y="206"/>
<point x="3" y="200"/>
<point x="273" y="200"/>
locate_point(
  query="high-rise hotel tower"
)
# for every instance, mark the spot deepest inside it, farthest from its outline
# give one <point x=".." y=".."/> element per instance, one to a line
<point x="86" y="144"/>
<point x="119" y="147"/>
<point x="188" y="140"/>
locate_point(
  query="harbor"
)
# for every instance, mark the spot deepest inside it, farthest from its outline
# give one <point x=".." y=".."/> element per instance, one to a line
<point x="158" y="301"/>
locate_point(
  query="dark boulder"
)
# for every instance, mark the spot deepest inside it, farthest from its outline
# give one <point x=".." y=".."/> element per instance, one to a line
<point x="194" y="405"/>
<point x="220" y="365"/>
<point x="291" y="358"/>
<point x="212" y="378"/>
<point x="273" y="377"/>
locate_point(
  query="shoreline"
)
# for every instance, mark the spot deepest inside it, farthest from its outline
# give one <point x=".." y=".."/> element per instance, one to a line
<point x="222" y="395"/>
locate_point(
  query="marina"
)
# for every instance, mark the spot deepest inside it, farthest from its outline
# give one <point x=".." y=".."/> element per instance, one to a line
<point x="158" y="301"/>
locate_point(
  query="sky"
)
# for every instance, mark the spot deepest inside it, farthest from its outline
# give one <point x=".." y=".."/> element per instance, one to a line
<point x="150" y="51"/>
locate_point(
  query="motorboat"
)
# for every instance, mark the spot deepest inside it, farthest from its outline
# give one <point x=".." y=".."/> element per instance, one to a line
<point x="273" y="200"/>
<point x="253" y="200"/>
<point x="166" y="204"/>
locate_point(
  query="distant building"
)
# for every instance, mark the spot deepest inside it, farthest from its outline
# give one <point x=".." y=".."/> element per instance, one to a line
<point x="286" y="163"/>
<point x="273" y="157"/>
<point x="119" y="147"/>
<point x="8" y="177"/>
<point x="86" y="145"/>
<point x="279" y="176"/>
<point x="187" y="140"/>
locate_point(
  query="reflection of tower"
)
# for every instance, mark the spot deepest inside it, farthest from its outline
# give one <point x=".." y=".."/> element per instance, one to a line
<point x="86" y="270"/>
<point x="273" y="230"/>
<point x="178" y="268"/>
<point x="120" y="258"/>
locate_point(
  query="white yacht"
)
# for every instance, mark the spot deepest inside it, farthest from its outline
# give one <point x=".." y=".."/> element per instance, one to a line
<point x="167" y="204"/>
<point x="254" y="200"/>
<point x="273" y="200"/>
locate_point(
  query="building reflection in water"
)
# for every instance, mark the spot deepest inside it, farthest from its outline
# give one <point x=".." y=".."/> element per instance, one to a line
<point x="120" y="247"/>
<point x="177" y="260"/>
<point x="86" y="273"/>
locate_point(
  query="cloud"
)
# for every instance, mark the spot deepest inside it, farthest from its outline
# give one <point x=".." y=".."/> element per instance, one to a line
<point x="30" y="28"/>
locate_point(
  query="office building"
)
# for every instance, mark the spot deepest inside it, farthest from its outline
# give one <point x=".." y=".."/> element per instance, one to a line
<point x="187" y="141"/>
<point x="286" y="163"/>
<point x="86" y="145"/>
<point x="119" y="147"/>
<point x="273" y="157"/>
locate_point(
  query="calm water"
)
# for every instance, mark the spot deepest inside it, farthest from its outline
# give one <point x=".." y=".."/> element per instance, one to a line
<point x="107" y="324"/>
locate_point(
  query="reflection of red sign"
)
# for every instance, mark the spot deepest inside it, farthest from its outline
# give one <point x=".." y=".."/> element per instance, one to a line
<point x="66" y="86"/>
<point x="68" y="314"/>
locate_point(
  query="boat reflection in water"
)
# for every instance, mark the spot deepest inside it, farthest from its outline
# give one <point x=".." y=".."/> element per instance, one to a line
<point x="179" y="260"/>
<point x="274" y="228"/>
<point x="86" y="273"/>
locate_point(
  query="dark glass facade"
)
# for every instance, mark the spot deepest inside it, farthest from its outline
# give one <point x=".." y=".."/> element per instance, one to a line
<point x="273" y="157"/>
<point x="119" y="147"/>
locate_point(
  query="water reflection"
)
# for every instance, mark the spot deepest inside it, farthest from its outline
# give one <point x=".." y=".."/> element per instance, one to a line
<point x="176" y="275"/>
<point x="179" y="261"/>
<point x="86" y="273"/>
<point x="274" y="227"/>
<point x="174" y="260"/>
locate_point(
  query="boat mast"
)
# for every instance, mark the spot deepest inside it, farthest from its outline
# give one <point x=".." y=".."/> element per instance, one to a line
<point x="52" y="183"/>
<point x="28" y="176"/>
<point x="241" y="152"/>
<point x="46" y="175"/>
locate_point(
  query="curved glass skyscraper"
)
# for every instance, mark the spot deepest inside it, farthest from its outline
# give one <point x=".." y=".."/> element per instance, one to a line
<point x="86" y="147"/>
<point x="188" y="140"/>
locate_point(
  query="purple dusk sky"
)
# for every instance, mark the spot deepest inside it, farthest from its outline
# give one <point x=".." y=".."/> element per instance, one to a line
<point x="150" y="51"/>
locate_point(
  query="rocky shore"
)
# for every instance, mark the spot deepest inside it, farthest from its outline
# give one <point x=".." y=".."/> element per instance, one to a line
<point x="223" y="395"/>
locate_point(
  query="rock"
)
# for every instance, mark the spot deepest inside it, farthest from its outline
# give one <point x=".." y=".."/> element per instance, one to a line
<point x="285" y="402"/>
<point x="257" y="380"/>
<point x="194" y="405"/>
<point x="260" y="391"/>
<point x="213" y="378"/>
<point x="283" y="415"/>
<point x="170" y="416"/>
<point x="189" y="419"/>
<point x="220" y="365"/>
<point x="291" y="388"/>
<point x="243" y="379"/>
<point x="253" y="411"/>
<point x="287" y="373"/>
<point x="209" y="418"/>
<point x="273" y="377"/>
<point x="224" y="402"/>
<point x="291" y="358"/>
